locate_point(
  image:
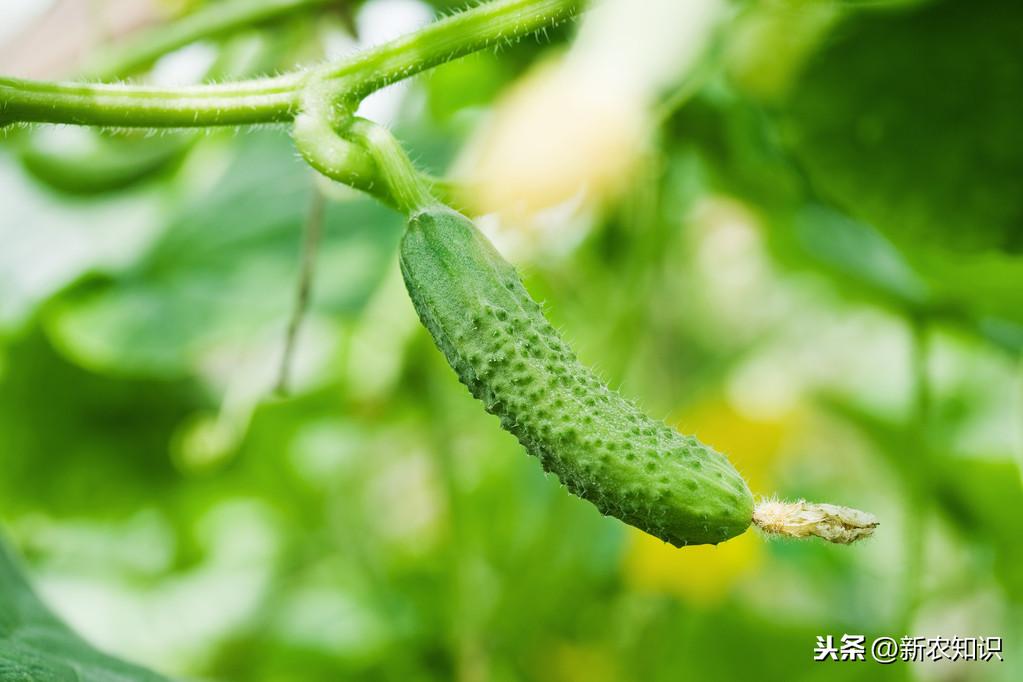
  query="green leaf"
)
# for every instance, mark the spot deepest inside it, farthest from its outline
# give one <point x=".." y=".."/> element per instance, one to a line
<point x="224" y="272"/>
<point x="978" y="494"/>
<point x="84" y="162"/>
<point x="469" y="82"/>
<point x="911" y="121"/>
<point x="739" y="145"/>
<point x="76" y="444"/>
<point x="51" y="240"/>
<point x="975" y="493"/>
<point x="36" y="645"/>
<point x="858" y="252"/>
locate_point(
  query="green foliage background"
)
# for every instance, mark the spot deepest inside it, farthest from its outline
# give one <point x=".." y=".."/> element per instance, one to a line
<point x="818" y="268"/>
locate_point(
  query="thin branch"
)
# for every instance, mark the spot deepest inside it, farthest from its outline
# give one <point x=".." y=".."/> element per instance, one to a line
<point x="310" y="247"/>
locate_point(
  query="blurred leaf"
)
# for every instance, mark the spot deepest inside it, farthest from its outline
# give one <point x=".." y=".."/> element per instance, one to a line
<point x="74" y="443"/>
<point x="989" y="285"/>
<point x="738" y="643"/>
<point x="468" y="82"/>
<point x="975" y="493"/>
<point x="858" y="252"/>
<point x="35" y="645"/>
<point x="82" y="161"/>
<point x="770" y="41"/>
<point x="738" y="144"/>
<point x="226" y="269"/>
<point x="50" y="240"/>
<point x="911" y="120"/>
<point x="978" y="494"/>
<point x="978" y="294"/>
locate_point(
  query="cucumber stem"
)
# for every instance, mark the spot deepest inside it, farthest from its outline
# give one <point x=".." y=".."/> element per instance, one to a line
<point x="407" y="188"/>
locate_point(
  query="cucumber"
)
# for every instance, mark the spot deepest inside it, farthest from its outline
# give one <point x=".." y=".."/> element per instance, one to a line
<point x="599" y="445"/>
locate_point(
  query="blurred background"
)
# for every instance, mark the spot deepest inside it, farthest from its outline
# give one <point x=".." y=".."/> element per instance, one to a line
<point x="791" y="227"/>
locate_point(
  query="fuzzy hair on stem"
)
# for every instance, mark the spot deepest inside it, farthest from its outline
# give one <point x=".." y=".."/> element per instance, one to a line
<point x="279" y="99"/>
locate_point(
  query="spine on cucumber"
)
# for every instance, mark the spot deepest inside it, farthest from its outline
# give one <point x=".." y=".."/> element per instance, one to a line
<point x="598" y="444"/>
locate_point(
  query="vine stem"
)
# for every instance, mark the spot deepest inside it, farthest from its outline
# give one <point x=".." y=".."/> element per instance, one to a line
<point x="404" y="184"/>
<point x="316" y="138"/>
<point x="279" y="99"/>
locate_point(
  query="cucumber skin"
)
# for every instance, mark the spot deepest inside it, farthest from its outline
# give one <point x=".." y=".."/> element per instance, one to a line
<point x="598" y="444"/>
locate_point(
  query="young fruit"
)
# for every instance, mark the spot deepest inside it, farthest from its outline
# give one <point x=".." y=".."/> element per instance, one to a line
<point x="600" y="445"/>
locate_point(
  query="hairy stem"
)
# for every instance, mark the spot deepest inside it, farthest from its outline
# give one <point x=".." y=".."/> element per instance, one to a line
<point x="358" y="153"/>
<point x="407" y="189"/>
<point x="278" y="99"/>
<point x="134" y="106"/>
<point x="488" y="25"/>
<point x="315" y="136"/>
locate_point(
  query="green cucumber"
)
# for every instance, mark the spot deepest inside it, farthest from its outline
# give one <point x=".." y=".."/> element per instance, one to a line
<point x="599" y="445"/>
